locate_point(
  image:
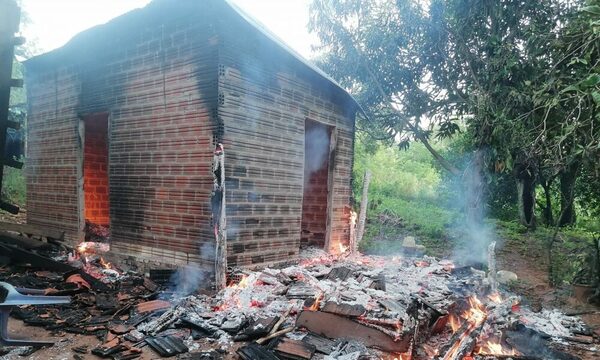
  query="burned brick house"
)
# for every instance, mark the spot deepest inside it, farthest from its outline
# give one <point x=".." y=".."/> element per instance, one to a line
<point x="124" y="121"/>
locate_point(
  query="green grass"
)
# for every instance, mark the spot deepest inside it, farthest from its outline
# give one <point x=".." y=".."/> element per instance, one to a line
<point x="430" y="224"/>
<point x="13" y="186"/>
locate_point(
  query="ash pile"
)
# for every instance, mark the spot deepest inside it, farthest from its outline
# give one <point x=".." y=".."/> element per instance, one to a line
<point x="324" y="307"/>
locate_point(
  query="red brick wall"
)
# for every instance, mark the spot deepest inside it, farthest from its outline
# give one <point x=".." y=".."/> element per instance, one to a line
<point x="172" y="89"/>
<point x="264" y="103"/>
<point x="95" y="169"/>
<point x="52" y="151"/>
<point x="158" y="82"/>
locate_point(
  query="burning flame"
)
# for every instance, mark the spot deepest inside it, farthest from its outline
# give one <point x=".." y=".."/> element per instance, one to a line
<point x="105" y="264"/>
<point x="475" y="315"/>
<point x="343" y="248"/>
<point x="454" y="322"/>
<point x="240" y="285"/>
<point x="353" y="217"/>
<point x="495" y="297"/>
<point x="315" y="304"/>
<point x="493" y="347"/>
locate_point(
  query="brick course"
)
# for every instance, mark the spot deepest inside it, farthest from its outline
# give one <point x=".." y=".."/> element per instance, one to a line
<point x="174" y="82"/>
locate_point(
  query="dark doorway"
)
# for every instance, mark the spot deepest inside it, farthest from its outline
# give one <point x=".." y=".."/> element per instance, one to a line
<point x="317" y="144"/>
<point x="95" y="177"/>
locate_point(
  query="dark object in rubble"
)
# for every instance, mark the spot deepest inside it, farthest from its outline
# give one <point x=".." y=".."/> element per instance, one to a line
<point x="96" y="284"/>
<point x="21" y="256"/>
<point x="29" y="350"/>
<point x="162" y="276"/>
<point x="167" y="346"/>
<point x="258" y="328"/>
<point x="355" y="310"/>
<point x="335" y="326"/>
<point x="109" y="348"/>
<point x="106" y="302"/>
<point x="205" y="355"/>
<point x="80" y="349"/>
<point x="234" y="325"/>
<point x="532" y="343"/>
<point x="78" y="357"/>
<point x="379" y="282"/>
<point x="321" y="344"/>
<point x="127" y="355"/>
<point x="286" y="348"/>
<point x="339" y="273"/>
<point x="207" y="329"/>
<point x="301" y="291"/>
<point x="253" y="351"/>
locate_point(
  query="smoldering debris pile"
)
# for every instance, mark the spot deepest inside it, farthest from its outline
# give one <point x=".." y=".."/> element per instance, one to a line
<point x="325" y="307"/>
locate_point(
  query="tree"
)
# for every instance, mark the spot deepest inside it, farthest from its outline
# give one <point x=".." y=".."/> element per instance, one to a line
<point x="422" y="71"/>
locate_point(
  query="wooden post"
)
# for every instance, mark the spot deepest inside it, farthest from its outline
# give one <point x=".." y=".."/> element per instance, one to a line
<point x="362" y="216"/>
<point x="10" y="15"/>
<point x="219" y="220"/>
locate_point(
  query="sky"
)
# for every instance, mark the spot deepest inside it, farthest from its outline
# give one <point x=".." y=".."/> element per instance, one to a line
<point x="52" y="23"/>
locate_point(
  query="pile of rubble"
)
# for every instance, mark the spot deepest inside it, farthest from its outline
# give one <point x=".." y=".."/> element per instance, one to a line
<point x="325" y="307"/>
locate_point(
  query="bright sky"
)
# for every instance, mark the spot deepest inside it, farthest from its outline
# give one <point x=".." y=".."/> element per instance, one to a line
<point x="55" y="22"/>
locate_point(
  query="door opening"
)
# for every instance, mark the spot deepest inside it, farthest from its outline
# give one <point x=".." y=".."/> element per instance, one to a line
<point x="95" y="178"/>
<point x="317" y="179"/>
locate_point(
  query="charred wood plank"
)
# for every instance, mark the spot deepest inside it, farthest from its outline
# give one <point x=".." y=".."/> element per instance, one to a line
<point x="167" y="346"/>
<point x="462" y="342"/>
<point x="301" y="291"/>
<point x="335" y="326"/>
<point x="321" y="344"/>
<point x="23" y="256"/>
<point x="32" y="230"/>
<point x="293" y="349"/>
<point x="254" y="351"/>
<point x="344" y="309"/>
<point x="339" y="273"/>
<point x="392" y="305"/>
<point x="21" y="241"/>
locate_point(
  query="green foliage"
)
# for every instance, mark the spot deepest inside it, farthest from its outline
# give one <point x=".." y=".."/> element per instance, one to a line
<point x="13" y="186"/>
<point x="407" y="175"/>
<point x="406" y="187"/>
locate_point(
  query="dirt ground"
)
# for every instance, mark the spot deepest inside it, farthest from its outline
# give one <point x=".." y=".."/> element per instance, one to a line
<point x="62" y="349"/>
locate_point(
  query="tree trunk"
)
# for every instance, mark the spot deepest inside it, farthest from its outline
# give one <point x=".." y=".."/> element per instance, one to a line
<point x="526" y="196"/>
<point x="474" y="186"/>
<point x="547" y="211"/>
<point x="567" y="195"/>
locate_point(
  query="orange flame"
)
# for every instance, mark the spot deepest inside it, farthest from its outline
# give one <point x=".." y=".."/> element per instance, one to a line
<point x="315" y="304"/>
<point x="454" y="322"/>
<point x="244" y="282"/>
<point x="343" y="248"/>
<point x="494" y="347"/>
<point x="105" y="264"/>
<point x="495" y="297"/>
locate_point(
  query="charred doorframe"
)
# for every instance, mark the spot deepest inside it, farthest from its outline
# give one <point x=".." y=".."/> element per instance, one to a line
<point x="80" y="168"/>
<point x="331" y="162"/>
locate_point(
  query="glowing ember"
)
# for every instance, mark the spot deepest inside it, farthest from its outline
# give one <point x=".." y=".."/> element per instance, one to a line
<point x="89" y="248"/>
<point x="105" y="264"/>
<point x="315" y="304"/>
<point x="342" y="248"/>
<point x="495" y="297"/>
<point x="240" y="285"/>
<point x="495" y="348"/>
<point x="454" y="322"/>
